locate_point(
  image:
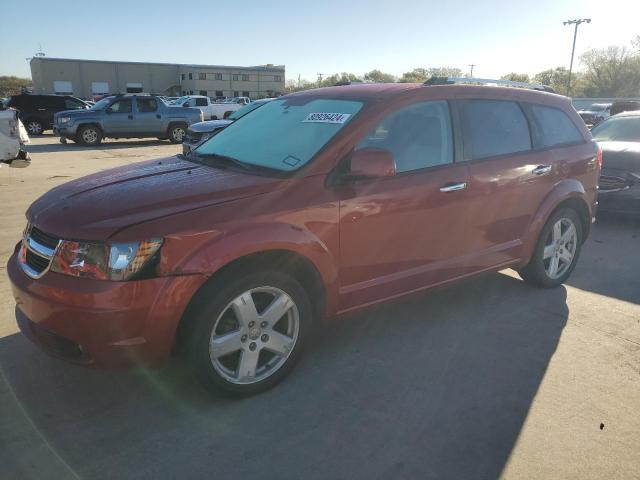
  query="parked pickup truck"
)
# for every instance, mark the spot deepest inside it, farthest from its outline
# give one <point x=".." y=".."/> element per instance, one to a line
<point x="125" y="116"/>
<point x="210" y="109"/>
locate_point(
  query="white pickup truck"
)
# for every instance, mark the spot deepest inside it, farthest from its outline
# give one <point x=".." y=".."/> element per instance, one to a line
<point x="210" y="109"/>
<point x="13" y="137"/>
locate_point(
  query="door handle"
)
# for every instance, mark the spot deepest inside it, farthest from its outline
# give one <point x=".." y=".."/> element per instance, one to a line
<point x="158" y="116"/>
<point x="130" y="117"/>
<point x="452" y="187"/>
<point x="542" y="169"/>
<point x="41" y="109"/>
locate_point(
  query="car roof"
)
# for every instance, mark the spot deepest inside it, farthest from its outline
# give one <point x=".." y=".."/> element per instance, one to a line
<point x="630" y="113"/>
<point x="380" y="91"/>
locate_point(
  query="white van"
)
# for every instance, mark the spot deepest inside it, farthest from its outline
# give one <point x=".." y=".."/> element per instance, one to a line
<point x="13" y="137"/>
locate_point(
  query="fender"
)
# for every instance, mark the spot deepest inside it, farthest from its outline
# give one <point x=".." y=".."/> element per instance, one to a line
<point x="564" y="190"/>
<point x="210" y="251"/>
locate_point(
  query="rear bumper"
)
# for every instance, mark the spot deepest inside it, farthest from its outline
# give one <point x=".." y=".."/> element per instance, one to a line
<point x="106" y="324"/>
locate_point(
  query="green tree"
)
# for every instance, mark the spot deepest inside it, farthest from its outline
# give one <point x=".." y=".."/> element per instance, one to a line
<point x="377" y="76"/>
<point x="10" y="85"/>
<point x="516" y="77"/>
<point x="331" y="80"/>
<point x="419" y="75"/>
<point x="555" y="78"/>
<point x="297" y="86"/>
<point x="611" y="72"/>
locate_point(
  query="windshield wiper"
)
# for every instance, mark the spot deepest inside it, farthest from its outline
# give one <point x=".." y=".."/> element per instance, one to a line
<point x="224" y="159"/>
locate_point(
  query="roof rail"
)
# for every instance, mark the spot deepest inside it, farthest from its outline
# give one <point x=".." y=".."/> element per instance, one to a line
<point x="487" y="81"/>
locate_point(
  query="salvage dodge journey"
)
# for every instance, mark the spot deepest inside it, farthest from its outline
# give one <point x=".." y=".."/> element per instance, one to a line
<point x="318" y="203"/>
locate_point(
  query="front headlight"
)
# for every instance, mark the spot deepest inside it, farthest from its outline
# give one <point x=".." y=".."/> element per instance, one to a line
<point x="64" y="119"/>
<point x="100" y="261"/>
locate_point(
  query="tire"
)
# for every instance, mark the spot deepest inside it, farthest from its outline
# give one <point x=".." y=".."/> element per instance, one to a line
<point x="224" y="321"/>
<point x="177" y="132"/>
<point x="34" y="126"/>
<point x="89" y="135"/>
<point x="226" y="114"/>
<point x="557" y="251"/>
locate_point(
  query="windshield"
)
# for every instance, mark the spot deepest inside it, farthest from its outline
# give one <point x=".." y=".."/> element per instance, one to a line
<point x="180" y="100"/>
<point x="282" y="135"/>
<point x="102" y="104"/>
<point x="622" y="129"/>
<point x="241" y="112"/>
<point x="598" y="107"/>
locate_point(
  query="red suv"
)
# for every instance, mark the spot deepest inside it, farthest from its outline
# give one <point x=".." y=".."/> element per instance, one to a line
<point x="318" y="203"/>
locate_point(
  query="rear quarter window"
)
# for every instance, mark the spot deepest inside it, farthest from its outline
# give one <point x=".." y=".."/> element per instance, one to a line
<point x="494" y="127"/>
<point x="554" y="127"/>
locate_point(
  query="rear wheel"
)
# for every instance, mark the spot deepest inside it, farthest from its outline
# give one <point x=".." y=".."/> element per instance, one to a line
<point x="177" y="133"/>
<point x="250" y="334"/>
<point x="34" y="126"/>
<point x="89" y="135"/>
<point x="557" y="251"/>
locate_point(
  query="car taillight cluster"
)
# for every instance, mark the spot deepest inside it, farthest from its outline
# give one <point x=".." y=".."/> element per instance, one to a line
<point x="599" y="158"/>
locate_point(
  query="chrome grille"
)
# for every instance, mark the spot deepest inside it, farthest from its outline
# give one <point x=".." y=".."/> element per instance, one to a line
<point x="38" y="248"/>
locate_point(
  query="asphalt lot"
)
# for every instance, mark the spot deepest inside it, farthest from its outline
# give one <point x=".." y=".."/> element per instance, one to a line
<point x="489" y="378"/>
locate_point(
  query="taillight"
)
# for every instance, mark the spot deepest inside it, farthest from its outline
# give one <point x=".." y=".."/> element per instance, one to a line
<point x="599" y="157"/>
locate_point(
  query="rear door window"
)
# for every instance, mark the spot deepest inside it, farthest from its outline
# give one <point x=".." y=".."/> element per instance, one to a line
<point x="555" y="127"/>
<point x="201" y="102"/>
<point x="147" y="104"/>
<point x="494" y="127"/>
<point x="418" y="136"/>
<point x="73" y="104"/>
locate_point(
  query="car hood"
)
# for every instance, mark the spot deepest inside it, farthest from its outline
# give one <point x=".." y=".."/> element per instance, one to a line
<point x="99" y="205"/>
<point x="75" y="113"/>
<point x="620" y="156"/>
<point x="209" y="126"/>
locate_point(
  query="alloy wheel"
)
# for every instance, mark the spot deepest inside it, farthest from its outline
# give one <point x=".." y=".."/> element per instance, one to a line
<point x="178" y="134"/>
<point x="34" y="128"/>
<point x="254" y="335"/>
<point x="560" y="248"/>
<point x="89" y="135"/>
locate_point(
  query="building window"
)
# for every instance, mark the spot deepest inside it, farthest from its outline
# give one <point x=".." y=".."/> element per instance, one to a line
<point x="277" y="78"/>
<point x="236" y="93"/>
<point x="63" y="87"/>
<point x="202" y="76"/>
<point x="134" y="87"/>
<point x="203" y="93"/>
<point x="183" y="76"/>
<point x="191" y="76"/>
<point x="245" y="78"/>
<point x="99" y="88"/>
<point x="245" y="94"/>
<point x="218" y="76"/>
<point x="236" y="78"/>
<point x="184" y="92"/>
<point x="190" y="92"/>
<point x="219" y="93"/>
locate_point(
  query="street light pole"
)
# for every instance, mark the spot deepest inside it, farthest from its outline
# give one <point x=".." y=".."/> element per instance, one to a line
<point x="573" y="49"/>
<point x="472" y="65"/>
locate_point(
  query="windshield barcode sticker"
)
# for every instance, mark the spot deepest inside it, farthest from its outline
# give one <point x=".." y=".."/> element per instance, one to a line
<point x="327" y="118"/>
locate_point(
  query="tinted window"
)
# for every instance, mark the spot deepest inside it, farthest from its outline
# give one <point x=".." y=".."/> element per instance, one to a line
<point x="622" y="129"/>
<point x="555" y="127"/>
<point x="201" y="102"/>
<point x="146" y="104"/>
<point x="121" y="106"/>
<point x="495" y="127"/>
<point x="73" y="104"/>
<point x="418" y="136"/>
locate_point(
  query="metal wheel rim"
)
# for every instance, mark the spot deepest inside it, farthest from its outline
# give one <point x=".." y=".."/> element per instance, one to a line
<point x="262" y="339"/>
<point x="89" y="135"/>
<point x="560" y="248"/>
<point x="178" y="134"/>
<point x="34" y="128"/>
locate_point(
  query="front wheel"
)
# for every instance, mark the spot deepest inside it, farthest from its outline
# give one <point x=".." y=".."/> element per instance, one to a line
<point x="250" y="334"/>
<point x="34" y="126"/>
<point x="557" y="250"/>
<point x="89" y="135"/>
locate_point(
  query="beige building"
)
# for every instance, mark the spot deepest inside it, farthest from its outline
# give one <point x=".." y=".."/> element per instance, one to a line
<point x="90" y="78"/>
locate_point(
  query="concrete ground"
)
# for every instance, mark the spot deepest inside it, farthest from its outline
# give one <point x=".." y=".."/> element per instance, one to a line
<point x="486" y="379"/>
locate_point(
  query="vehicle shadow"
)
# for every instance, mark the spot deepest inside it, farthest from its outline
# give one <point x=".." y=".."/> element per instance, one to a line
<point x="437" y="386"/>
<point x="105" y="145"/>
<point x="610" y="262"/>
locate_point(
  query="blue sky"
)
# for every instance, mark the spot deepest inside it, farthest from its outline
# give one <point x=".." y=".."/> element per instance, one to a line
<point x="325" y="36"/>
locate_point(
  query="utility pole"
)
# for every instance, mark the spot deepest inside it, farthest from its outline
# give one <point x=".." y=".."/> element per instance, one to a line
<point x="320" y="78"/>
<point x="472" y="65"/>
<point x="576" y="22"/>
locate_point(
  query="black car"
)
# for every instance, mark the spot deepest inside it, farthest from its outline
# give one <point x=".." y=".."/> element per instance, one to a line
<point x="619" y="186"/>
<point x="36" y="111"/>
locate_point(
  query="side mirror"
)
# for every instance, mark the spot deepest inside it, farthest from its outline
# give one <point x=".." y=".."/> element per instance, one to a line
<point x="372" y="163"/>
